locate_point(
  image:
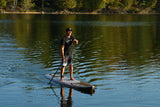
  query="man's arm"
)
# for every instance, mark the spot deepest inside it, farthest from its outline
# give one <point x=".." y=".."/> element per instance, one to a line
<point x="62" y="52"/>
<point x="75" y="41"/>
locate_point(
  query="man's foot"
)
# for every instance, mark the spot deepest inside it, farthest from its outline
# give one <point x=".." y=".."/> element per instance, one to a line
<point x="61" y="79"/>
<point x="72" y="79"/>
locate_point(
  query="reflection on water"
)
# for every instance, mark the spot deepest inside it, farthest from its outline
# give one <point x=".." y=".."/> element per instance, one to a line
<point x="64" y="101"/>
<point x="120" y="54"/>
<point x="104" y="23"/>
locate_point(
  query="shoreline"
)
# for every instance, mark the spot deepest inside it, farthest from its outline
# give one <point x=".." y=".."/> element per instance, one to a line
<point x="49" y="13"/>
<point x="72" y="13"/>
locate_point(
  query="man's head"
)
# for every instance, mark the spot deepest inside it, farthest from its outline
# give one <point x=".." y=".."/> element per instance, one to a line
<point x="68" y="31"/>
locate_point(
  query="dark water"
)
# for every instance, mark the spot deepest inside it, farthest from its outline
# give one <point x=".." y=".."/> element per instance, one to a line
<point x="119" y="54"/>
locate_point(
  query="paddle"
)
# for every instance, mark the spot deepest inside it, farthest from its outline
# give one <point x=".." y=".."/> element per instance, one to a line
<point x="54" y="75"/>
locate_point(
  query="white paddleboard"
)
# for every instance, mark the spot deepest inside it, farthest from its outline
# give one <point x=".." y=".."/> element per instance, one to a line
<point x="75" y="84"/>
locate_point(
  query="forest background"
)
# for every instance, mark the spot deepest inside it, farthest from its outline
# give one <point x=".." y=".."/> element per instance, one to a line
<point x="81" y="6"/>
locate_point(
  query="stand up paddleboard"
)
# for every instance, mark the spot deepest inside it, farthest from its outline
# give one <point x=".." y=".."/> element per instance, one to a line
<point x="75" y="84"/>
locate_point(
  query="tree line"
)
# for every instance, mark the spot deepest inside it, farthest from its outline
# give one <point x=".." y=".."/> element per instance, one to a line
<point x="112" y="6"/>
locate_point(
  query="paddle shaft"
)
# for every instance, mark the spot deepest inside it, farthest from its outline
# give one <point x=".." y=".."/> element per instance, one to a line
<point x="54" y="74"/>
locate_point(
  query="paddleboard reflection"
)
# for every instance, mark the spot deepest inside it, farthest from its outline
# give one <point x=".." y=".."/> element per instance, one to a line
<point x="67" y="101"/>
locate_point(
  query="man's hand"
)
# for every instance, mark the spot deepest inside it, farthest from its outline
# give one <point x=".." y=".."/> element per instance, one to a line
<point x="75" y="41"/>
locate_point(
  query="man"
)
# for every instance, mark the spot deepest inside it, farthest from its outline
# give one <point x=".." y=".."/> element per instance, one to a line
<point x="66" y="51"/>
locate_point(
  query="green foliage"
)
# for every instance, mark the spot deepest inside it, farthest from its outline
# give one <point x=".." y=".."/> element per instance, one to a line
<point x="87" y="5"/>
<point x="3" y="3"/>
<point x="26" y="5"/>
<point x="94" y="4"/>
<point x="127" y="3"/>
<point x="158" y="6"/>
<point x="146" y="3"/>
<point x="79" y="3"/>
<point x="65" y="4"/>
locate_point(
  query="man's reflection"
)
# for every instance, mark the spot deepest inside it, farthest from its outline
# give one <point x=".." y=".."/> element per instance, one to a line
<point x="66" y="102"/>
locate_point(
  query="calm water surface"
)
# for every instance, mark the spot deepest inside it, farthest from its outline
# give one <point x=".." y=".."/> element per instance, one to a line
<point x="119" y="54"/>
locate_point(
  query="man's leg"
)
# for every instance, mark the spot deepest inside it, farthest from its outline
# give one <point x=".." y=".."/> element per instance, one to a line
<point x="62" y="72"/>
<point x="71" y="72"/>
<point x="64" y="64"/>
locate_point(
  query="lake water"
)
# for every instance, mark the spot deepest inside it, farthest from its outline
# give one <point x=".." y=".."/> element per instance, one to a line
<point x="119" y="54"/>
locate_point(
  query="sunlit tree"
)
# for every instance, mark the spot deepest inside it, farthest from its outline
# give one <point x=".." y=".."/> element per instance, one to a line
<point x="26" y="4"/>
